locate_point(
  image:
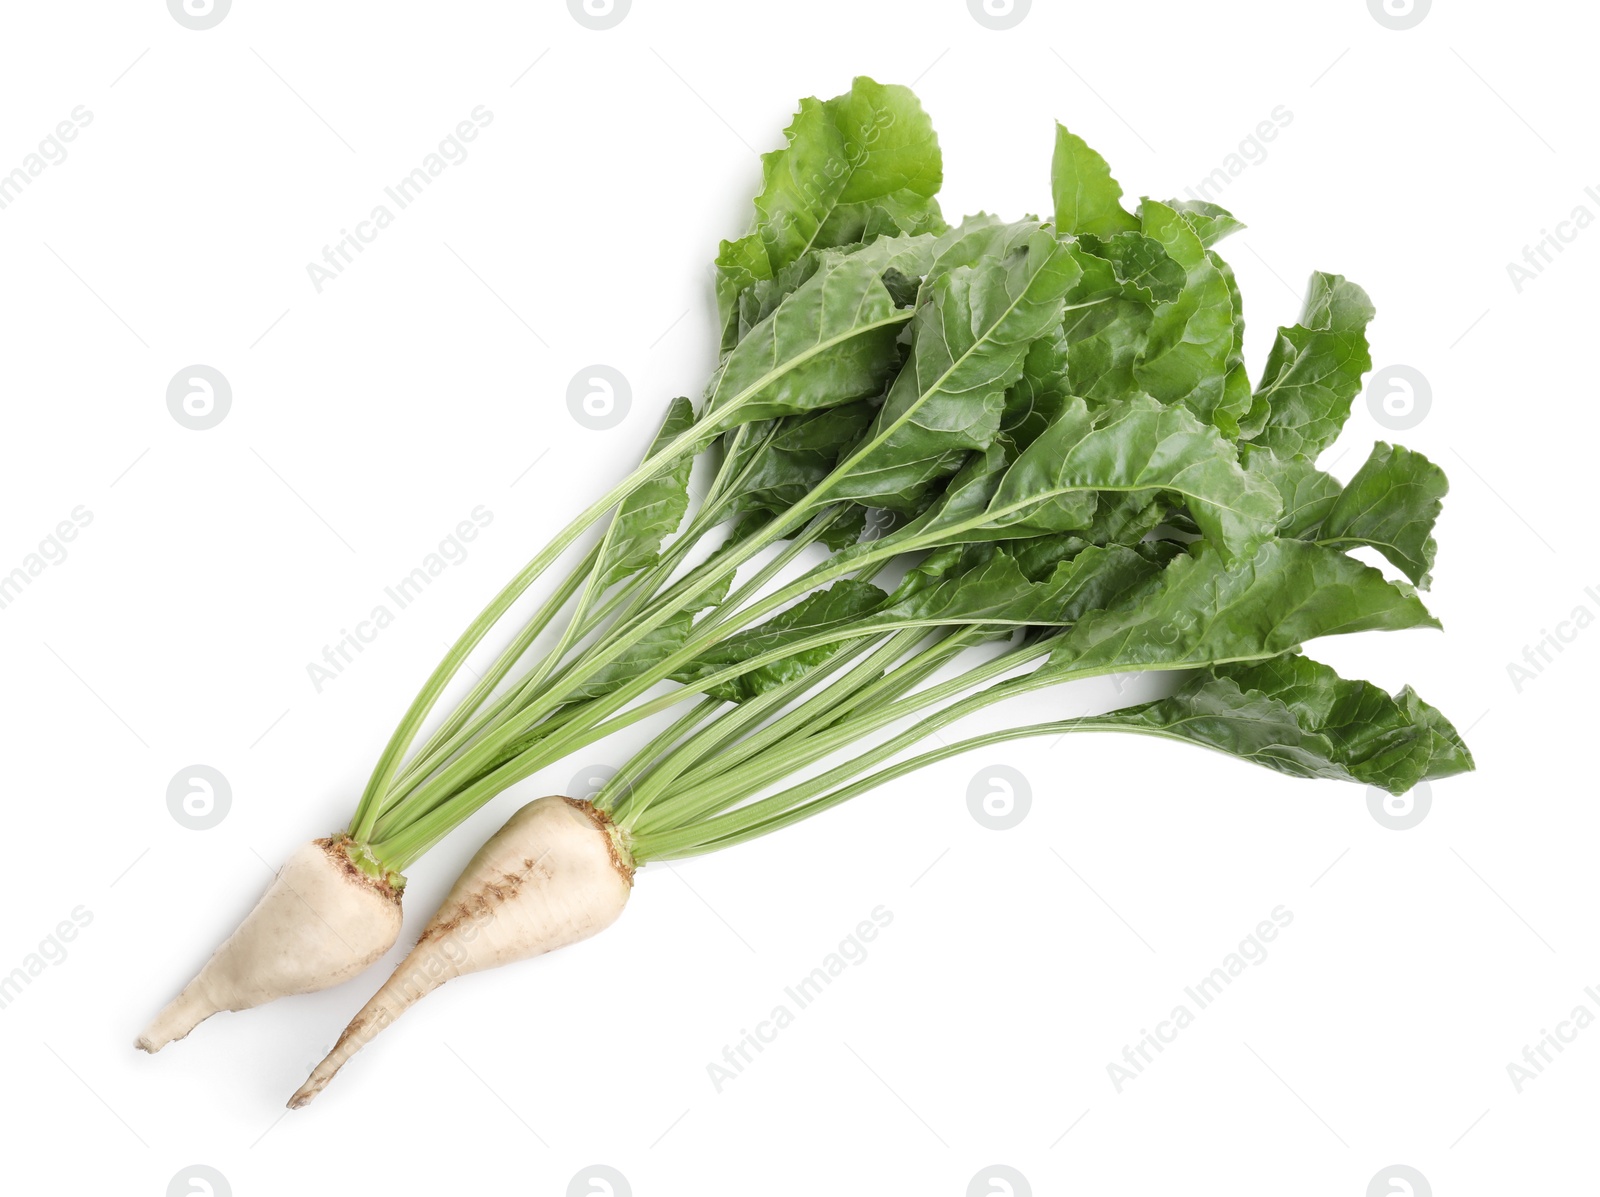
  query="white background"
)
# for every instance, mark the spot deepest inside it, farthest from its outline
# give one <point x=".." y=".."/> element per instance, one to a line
<point x="369" y="419"/>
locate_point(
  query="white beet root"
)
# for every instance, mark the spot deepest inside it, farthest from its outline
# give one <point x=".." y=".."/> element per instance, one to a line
<point x="553" y="875"/>
<point x="320" y="922"/>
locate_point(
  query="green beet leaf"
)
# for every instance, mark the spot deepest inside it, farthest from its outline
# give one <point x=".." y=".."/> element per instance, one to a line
<point x="829" y="342"/>
<point x="862" y="163"/>
<point x="1391" y="505"/>
<point x="654" y="511"/>
<point x="1191" y="340"/>
<point x="1299" y="717"/>
<point x="1210" y="222"/>
<point x="998" y="592"/>
<point x="969" y="341"/>
<point x="1087" y="198"/>
<point x="1314" y="370"/>
<point x="839" y="607"/>
<point x="1202" y="610"/>
<point x="1135" y="446"/>
<point x="1305" y="493"/>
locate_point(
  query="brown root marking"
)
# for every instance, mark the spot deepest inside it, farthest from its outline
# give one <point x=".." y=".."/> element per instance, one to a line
<point x="547" y="865"/>
<point x="335" y="846"/>
<point x="483" y="904"/>
<point x="612" y="833"/>
<point x="481" y="907"/>
<point x="355" y="1027"/>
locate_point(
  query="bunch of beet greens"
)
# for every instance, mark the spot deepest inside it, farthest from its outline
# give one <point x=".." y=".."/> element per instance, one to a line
<point x="1041" y="431"/>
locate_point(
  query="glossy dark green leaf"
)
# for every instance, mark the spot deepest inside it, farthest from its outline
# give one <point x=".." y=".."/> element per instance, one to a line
<point x="1450" y="752"/>
<point x="969" y="341"/>
<point x="658" y="644"/>
<point x="1185" y="359"/>
<point x="1305" y="493"/>
<point x="760" y="299"/>
<point x="1315" y="369"/>
<point x="1129" y="517"/>
<point x="839" y="607"/>
<point x="1203" y="611"/>
<point x="1105" y="339"/>
<point x="832" y="340"/>
<point x="1137" y="445"/>
<point x="653" y="512"/>
<point x="997" y="591"/>
<point x="741" y="265"/>
<point x="1391" y="505"/>
<point x="1238" y="406"/>
<point x="941" y="563"/>
<point x="1127" y="265"/>
<point x="1038" y="556"/>
<point x="651" y="649"/>
<point x="1299" y="717"/>
<point x="800" y="452"/>
<point x="1041" y="391"/>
